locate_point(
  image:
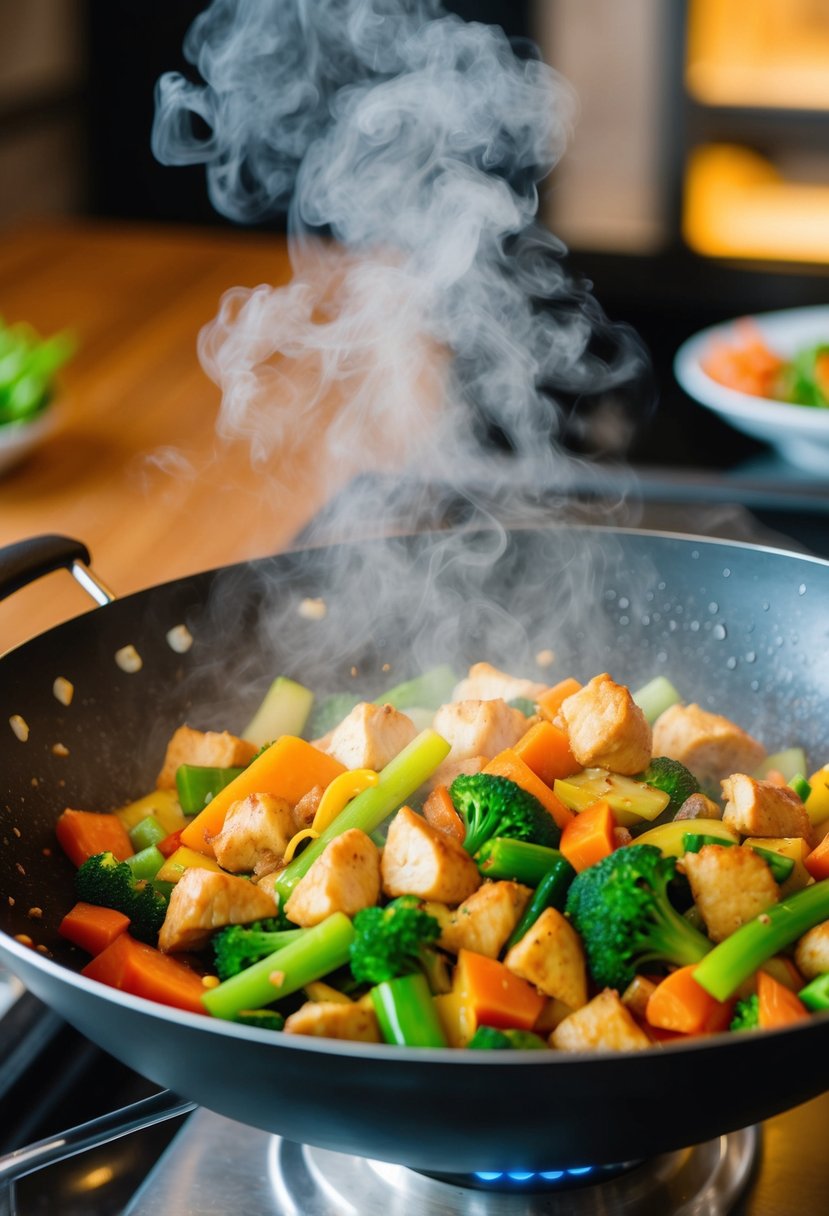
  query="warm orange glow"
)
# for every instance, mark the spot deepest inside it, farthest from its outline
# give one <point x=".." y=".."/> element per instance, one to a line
<point x="737" y="205"/>
<point x="759" y="53"/>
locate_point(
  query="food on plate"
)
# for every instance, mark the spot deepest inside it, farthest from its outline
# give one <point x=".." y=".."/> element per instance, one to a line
<point x="612" y="869"/>
<point x="749" y="365"/>
<point x="28" y="364"/>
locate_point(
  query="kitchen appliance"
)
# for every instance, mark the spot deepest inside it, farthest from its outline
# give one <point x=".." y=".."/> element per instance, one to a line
<point x="681" y="605"/>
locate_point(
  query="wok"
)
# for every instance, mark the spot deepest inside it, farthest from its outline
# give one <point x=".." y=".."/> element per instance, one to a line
<point x="736" y="627"/>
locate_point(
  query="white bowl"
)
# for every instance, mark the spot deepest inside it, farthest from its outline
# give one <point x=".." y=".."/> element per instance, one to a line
<point x="799" y="432"/>
<point x="18" y="438"/>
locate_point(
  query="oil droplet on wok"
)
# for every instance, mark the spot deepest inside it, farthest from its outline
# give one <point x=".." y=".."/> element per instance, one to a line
<point x="801" y="589"/>
<point x="713" y="607"/>
<point x="731" y="663"/>
<point x="719" y="632"/>
<point x="751" y="656"/>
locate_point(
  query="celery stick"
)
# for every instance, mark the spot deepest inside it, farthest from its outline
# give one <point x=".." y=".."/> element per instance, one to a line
<point x="321" y="949"/>
<point x="428" y="691"/>
<point x="655" y="697"/>
<point x="146" y="832"/>
<point x="406" y="1014"/>
<point x="516" y="860"/>
<point x="789" y="762"/>
<point x="284" y="711"/>
<point x="731" y="962"/>
<point x="398" y="780"/>
<point x="146" y="863"/>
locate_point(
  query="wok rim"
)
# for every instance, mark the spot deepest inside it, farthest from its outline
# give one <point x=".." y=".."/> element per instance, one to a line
<point x="380" y="1052"/>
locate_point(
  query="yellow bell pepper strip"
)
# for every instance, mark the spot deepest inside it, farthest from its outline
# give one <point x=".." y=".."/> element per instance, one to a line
<point x="340" y="792"/>
<point x="397" y="781"/>
<point x="185" y="859"/>
<point x="163" y="805"/>
<point x="289" y="769"/>
<point x="296" y="840"/>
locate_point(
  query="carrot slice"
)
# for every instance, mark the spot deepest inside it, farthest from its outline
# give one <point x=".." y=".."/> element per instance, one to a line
<point x="545" y="749"/>
<point x="549" y="702"/>
<point x="508" y="764"/>
<point x="82" y="834"/>
<point x="777" y="1004"/>
<point x="817" y="862"/>
<point x="143" y="971"/>
<point x="680" y="1003"/>
<point x="589" y="836"/>
<point x="494" y="995"/>
<point x="439" y="811"/>
<point x="92" y="928"/>
<point x="289" y="768"/>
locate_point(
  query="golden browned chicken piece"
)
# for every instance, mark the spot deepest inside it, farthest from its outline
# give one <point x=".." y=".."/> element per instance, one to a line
<point x="335" y="1020"/>
<point x="370" y="736"/>
<point x="205" y="900"/>
<point x="255" y="834"/>
<point x="730" y="885"/>
<point x="209" y="748"/>
<point x="812" y="952"/>
<point x="478" y="728"/>
<point x="484" y="683"/>
<point x="344" y="878"/>
<point x="708" y="744"/>
<point x="606" y="727"/>
<point x="550" y="955"/>
<point x="484" y="921"/>
<point x="420" y="860"/>
<point x="604" y="1024"/>
<point x="760" y="808"/>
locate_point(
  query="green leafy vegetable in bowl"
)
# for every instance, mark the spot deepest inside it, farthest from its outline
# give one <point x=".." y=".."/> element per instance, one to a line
<point x="28" y="364"/>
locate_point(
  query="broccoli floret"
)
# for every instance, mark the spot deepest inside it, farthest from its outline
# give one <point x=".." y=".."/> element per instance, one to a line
<point x="263" y="1019"/>
<point x="393" y="941"/>
<point x="527" y="707"/>
<point x="746" y="1013"/>
<point x="620" y="909"/>
<point x="109" y="883"/>
<point x="239" y="946"/>
<point x="495" y="806"/>
<point x="672" y="778"/>
<point x="487" y="1038"/>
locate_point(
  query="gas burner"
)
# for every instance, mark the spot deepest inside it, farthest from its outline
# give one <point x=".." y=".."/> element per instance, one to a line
<point x="216" y="1167"/>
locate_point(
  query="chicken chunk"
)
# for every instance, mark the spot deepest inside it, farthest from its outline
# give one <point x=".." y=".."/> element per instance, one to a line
<point x="708" y="744"/>
<point x="478" y="728"/>
<point x="446" y="773"/>
<point x="205" y="900"/>
<point x="306" y="809"/>
<point x="485" y="920"/>
<point x="210" y="748"/>
<point x="730" y="885"/>
<point x="550" y="955"/>
<point x="255" y="834"/>
<point x="486" y="683"/>
<point x="606" y="727"/>
<point x="812" y="952"/>
<point x="760" y="808"/>
<point x="602" y="1025"/>
<point x="699" y="806"/>
<point x="344" y="878"/>
<point x="335" y="1020"/>
<point x="420" y="860"/>
<point x="370" y="736"/>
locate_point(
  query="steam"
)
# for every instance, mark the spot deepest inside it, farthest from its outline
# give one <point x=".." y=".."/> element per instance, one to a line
<point x="440" y="314"/>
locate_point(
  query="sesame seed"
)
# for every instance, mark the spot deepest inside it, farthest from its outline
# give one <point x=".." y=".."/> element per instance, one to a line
<point x="63" y="690"/>
<point x="20" y="727"/>
<point x="129" y="660"/>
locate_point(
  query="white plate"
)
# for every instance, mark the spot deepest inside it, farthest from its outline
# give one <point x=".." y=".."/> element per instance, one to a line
<point x="799" y="432"/>
<point x="18" y="438"/>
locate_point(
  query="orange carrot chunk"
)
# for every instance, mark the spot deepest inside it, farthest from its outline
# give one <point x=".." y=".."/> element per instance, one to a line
<point x="289" y="768"/>
<point x="817" y="862"/>
<point x="777" y="1005"/>
<point x="169" y="844"/>
<point x="493" y="995"/>
<point x="439" y="811"/>
<point x="546" y="750"/>
<point x="679" y="1003"/>
<point x="92" y="928"/>
<point x="508" y="764"/>
<point x="82" y="834"/>
<point x="549" y="702"/>
<point x="143" y="971"/>
<point x="589" y="836"/>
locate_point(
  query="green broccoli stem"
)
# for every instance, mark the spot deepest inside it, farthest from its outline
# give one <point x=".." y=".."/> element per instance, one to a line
<point x="739" y="956"/>
<point x="427" y="691"/>
<point x="781" y="867"/>
<point x="551" y="892"/>
<point x="815" y="995"/>
<point x="406" y="1014"/>
<point x="516" y="860"/>
<point x="321" y="949"/>
<point x="398" y="780"/>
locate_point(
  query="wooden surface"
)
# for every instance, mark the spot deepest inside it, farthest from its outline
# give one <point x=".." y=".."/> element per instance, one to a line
<point x="133" y="467"/>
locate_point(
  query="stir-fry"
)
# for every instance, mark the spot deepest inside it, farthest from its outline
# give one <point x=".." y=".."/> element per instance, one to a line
<point x="749" y="365"/>
<point x="492" y="864"/>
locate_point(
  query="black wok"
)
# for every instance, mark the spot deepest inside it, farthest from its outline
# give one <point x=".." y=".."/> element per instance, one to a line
<point x="739" y="628"/>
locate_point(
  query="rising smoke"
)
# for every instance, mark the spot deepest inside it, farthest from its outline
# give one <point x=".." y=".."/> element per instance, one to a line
<point x="440" y="314"/>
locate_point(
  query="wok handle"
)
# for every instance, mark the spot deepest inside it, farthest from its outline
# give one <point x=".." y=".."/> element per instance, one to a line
<point x="27" y="560"/>
<point x="155" y="1109"/>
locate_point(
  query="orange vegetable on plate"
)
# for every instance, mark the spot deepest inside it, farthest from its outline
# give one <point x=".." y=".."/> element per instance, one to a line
<point x="289" y="768"/>
<point x="91" y="927"/>
<point x="589" y="836"/>
<point x="439" y="811"/>
<point x="747" y="365"/>
<point x="545" y="749"/>
<point x="679" y="1003"/>
<point x="141" y="970"/>
<point x="82" y="834"/>
<point x="509" y="764"/>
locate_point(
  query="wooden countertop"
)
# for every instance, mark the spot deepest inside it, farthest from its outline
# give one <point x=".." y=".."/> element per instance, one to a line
<point x="133" y="467"/>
